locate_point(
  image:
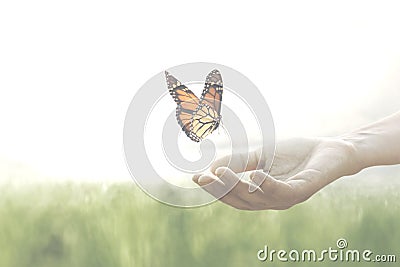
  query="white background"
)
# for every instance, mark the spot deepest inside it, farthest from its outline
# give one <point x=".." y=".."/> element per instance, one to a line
<point x="69" y="69"/>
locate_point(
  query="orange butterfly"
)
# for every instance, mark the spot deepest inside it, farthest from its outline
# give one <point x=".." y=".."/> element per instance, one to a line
<point x="197" y="117"/>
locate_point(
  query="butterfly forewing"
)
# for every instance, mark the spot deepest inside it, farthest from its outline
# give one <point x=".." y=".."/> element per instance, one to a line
<point x="180" y="93"/>
<point x="212" y="92"/>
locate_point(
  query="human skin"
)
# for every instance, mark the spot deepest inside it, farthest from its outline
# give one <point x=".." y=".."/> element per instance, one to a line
<point x="303" y="166"/>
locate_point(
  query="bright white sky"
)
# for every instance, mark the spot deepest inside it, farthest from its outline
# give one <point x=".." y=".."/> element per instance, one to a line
<point x="69" y="69"/>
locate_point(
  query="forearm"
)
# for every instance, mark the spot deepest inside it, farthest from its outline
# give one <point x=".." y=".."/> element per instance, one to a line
<point x="377" y="143"/>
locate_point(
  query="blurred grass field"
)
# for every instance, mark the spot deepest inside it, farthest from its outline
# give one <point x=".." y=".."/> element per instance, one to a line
<point x="88" y="225"/>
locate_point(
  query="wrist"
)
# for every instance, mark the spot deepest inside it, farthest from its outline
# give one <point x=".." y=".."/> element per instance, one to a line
<point x="377" y="143"/>
<point x="357" y="151"/>
<point x="354" y="154"/>
<point x="341" y="157"/>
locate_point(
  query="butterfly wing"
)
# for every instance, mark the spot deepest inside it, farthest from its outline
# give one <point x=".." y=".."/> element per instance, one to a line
<point x="187" y="103"/>
<point x="212" y="92"/>
<point x="204" y="121"/>
<point x="207" y="116"/>
<point x="210" y="101"/>
<point x="197" y="118"/>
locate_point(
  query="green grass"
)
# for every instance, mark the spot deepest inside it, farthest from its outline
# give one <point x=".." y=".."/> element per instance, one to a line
<point x="90" y="225"/>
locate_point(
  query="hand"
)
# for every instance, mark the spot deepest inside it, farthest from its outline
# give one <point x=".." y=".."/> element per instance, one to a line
<point x="300" y="168"/>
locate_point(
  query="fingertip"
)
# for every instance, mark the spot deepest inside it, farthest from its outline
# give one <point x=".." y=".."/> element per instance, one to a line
<point x="196" y="177"/>
<point x="227" y="176"/>
<point x="213" y="169"/>
<point x="219" y="171"/>
<point x="257" y="176"/>
<point x="225" y="172"/>
<point x="222" y="162"/>
<point x="252" y="187"/>
<point x="205" y="180"/>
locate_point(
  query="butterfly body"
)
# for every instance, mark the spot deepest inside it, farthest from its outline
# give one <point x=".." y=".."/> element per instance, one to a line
<point x="197" y="117"/>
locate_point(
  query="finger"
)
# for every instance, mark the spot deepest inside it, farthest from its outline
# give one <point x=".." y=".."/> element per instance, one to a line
<point x="196" y="177"/>
<point x="205" y="180"/>
<point x="270" y="185"/>
<point x="216" y="188"/>
<point x="239" y="188"/>
<point x="238" y="196"/>
<point x="227" y="176"/>
<point x="202" y="179"/>
<point x="256" y="181"/>
<point x="240" y="162"/>
<point x="224" y="188"/>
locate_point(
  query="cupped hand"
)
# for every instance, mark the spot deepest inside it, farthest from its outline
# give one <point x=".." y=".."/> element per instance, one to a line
<point x="300" y="168"/>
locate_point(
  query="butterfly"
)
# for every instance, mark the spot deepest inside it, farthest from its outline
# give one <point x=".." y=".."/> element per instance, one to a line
<point x="197" y="117"/>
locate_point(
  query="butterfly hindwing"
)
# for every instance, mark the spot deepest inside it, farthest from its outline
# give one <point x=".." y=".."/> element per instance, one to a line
<point x="184" y="119"/>
<point x="204" y="120"/>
